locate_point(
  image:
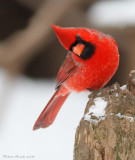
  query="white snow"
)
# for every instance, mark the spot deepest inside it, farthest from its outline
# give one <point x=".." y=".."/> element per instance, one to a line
<point x="118" y="13"/>
<point x="21" y="102"/>
<point x="117" y="94"/>
<point x="123" y="116"/>
<point x="119" y="115"/>
<point x="97" y="110"/>
<point x="115" y="86"/>
<point x="123" y="87"/>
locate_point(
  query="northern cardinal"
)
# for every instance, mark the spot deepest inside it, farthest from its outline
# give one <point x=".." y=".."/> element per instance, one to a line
<point x="91" y="61"/>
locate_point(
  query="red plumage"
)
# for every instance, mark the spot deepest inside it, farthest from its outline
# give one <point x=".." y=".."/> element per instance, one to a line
<point x="91" y="69"/>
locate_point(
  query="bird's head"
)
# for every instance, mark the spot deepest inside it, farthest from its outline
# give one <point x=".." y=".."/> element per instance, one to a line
<point x="81" y="41"/>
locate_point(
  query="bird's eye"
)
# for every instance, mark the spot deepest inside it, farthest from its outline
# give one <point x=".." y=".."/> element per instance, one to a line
<point x="82" y="48"/>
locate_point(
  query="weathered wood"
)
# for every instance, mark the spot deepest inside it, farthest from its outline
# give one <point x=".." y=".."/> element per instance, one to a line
<point x="112" y="136"/>
<point x="131" y="82"/>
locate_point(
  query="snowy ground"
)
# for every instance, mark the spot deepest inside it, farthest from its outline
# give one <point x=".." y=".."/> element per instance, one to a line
<point x="25" y="99"/>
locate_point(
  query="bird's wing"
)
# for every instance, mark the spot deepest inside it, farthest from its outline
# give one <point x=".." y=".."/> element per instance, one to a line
<point x="67" y="69"/>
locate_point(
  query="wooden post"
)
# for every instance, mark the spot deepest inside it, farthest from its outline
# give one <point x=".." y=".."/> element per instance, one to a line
<point x="107" y="130"/>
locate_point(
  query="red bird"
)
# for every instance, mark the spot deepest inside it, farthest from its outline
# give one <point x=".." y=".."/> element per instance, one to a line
<point x="91" y="61"/>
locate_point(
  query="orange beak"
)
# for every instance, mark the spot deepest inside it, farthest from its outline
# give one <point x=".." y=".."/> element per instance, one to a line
<point x="78" y="49"/>
<point x="66" y="36"/>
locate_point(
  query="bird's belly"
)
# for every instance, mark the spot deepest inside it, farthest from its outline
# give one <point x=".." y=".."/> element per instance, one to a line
<point x="80" y="81"/>
<point x="87" y="78"/>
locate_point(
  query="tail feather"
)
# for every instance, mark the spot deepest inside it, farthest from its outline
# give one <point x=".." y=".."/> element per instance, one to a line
<point x="51" y="110"/>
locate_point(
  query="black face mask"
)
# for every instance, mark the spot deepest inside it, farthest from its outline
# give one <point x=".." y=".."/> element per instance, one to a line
<point x="88" y="50"/>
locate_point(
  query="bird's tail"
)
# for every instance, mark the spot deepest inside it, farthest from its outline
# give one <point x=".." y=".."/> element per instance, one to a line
<point x="51" y="110"/>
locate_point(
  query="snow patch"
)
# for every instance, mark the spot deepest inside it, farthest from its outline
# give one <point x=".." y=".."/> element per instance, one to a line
<point x="127" y="117"/>
<point x="119" y="115"/>
<point x="115" y="86"/>
<point x="123" y="87"/>
<point x="97" y="110"/>
<point x="117" y="94"/>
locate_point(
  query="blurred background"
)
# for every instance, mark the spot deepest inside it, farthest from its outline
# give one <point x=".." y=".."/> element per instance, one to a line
<point x="30" y="57"/>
